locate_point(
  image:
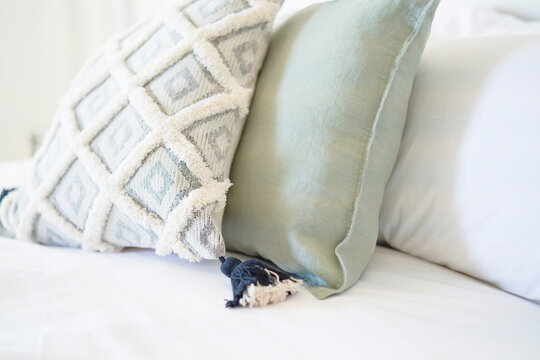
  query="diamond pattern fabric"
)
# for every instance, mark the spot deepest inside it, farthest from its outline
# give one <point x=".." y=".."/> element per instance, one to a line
<point x="123" y="231"/>
<point x="57" y="144"/>
<point x="74" y="195"/>
<point x="118" y="139"/>
<point x="94" y="102"/>
<point x="204" y="12"/>
<point x="240" y="51"/>
<point x="212" y="137"/>
<point x="183" y="84"/>
<point x="140" y="149"/>
<point x="162" y="182"/>
<point x="160" y="41"/>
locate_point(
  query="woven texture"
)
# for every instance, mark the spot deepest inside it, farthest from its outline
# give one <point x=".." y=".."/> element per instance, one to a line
<point x="322" y="139"/>
<point x="140" y="149"/>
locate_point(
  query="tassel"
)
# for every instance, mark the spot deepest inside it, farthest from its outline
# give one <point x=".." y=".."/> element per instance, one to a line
<point x="5" y="193"/>
<point x="4" y="213"/>
<point x="256" y="284"/>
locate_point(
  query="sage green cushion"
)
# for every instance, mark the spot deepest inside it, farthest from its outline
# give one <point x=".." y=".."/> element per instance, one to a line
<point x="322" y="137"/>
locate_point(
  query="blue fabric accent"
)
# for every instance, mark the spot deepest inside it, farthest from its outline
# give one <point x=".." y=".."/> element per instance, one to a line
<point x="5" y="193"/>
<point x="243" y="274"/>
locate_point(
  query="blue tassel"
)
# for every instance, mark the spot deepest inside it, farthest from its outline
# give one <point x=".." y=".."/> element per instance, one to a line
<point x="5" y="193"/>
<point x="257" y="284"/>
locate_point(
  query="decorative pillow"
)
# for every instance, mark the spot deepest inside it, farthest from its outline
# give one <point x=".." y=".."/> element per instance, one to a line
<point x="140" y="149"/>
<point x="465" y="189"/>
<point x="469" y="19"/>
<point x="322" y="136"/>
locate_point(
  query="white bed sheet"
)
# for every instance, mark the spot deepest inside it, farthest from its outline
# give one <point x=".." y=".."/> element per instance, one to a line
<point x="69" y="304"/>
<point x="58" y="303"/>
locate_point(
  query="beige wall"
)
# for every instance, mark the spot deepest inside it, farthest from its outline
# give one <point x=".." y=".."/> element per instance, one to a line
<point x="42" y="45"/>
<point x="44" y="42"/>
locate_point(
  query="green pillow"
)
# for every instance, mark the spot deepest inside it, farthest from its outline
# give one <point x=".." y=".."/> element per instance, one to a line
<point x="322" y="137"/>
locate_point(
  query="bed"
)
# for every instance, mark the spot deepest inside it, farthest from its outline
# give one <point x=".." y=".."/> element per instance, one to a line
<point x="62" y="303"/>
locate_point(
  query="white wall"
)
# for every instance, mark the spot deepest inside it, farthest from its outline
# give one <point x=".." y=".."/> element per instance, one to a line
<point x="42" y="45"/>
<point x="44" y="42"/>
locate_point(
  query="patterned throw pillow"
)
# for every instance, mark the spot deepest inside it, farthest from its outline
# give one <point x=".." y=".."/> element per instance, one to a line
<point x="139" y="152"/>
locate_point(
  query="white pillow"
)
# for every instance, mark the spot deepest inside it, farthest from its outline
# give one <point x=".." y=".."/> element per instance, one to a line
<point x="465" y="191"/>
<point x="459" y="18"/>
<point x="474" y="20"/>
<point x="526" y="9"/>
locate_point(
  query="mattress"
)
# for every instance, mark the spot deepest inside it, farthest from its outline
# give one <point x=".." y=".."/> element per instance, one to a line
<point x="60" y="303"/>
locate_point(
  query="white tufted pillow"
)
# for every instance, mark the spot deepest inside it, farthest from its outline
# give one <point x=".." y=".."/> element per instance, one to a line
<point x="140" y="149"/>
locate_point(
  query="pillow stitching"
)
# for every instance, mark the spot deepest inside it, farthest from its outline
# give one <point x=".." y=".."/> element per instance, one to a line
<point x="414" y="32"/>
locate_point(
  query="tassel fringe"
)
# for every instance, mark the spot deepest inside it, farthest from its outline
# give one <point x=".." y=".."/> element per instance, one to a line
<point x="256" y="295"/>
<point x="5" y="229"/>
<point x="255" y="284"/>
<point x="4" y="193"/>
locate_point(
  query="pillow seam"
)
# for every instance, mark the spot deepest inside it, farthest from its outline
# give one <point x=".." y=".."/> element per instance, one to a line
<point x="361" y="176"/>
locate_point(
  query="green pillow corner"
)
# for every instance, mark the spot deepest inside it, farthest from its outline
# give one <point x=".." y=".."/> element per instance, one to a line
<point x="322" y="138"/>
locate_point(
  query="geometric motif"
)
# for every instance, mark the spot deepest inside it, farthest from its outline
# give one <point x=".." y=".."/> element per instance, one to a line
<point x="47" y="234"/>
<point x="201" y="235"/>
<point x="74" y="195"/>
<point x="124" y="232"/>
<point x="57" y="145"/>
<point x="162" y="182"/>
<point x="212" y="137"/>
<point x="203" y="12"/>
<point x="141" y="147"/>
<point x="160" y="41"/>
<point x="239" y="50"/>
<point x="185" y="83"/>
<point x="123" y="133"/>
<point x="135" y="39"/>
<point x="93" y="103"/>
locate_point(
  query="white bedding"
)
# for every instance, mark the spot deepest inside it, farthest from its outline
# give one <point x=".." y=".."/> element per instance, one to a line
<point x="59" y="303"/>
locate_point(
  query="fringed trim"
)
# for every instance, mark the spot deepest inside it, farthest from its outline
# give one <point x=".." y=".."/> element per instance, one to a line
<point x="257" y="295"/>
<point x="257" y="284"/>
<point x="7" y="197"/>
<point x="110" y="64"/>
